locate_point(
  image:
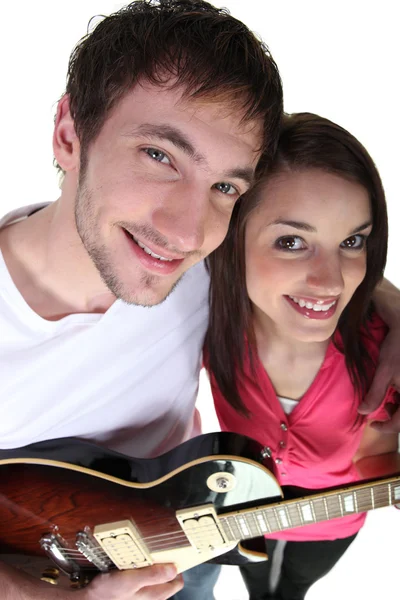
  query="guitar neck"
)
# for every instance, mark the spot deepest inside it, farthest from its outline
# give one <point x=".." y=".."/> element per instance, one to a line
<point x="288" y="514"/>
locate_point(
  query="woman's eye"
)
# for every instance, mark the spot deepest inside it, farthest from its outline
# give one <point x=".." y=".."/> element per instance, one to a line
<point x="354" y="242"/>
<point x="290" y="242"/>
<point x="157" y="155"/>
<point x="226" y="188"/>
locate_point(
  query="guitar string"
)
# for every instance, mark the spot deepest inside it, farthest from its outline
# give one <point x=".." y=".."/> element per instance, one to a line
<point x="331" y="514"/>
<point x="179" y="535"/>
<point x="294" y="508"/>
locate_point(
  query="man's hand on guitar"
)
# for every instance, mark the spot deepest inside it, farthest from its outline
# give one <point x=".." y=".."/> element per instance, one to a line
<point x="150" y="583"/>
<point x="158" y="582"/>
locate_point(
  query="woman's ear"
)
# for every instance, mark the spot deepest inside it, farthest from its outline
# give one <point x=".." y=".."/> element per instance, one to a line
<point x="66" y="145"/>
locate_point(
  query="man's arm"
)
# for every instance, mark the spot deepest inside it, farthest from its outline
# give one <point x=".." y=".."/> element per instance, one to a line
<point x="377" y="455"/>
<point x="151" y="583"/>
<point x="387" y="301"/>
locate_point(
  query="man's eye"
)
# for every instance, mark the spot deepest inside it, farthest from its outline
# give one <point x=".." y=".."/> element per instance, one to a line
<point x="290" y="242"/>
<point x="226" y="188"/>
<point x="354" y="242"/>
<point x="157" y="155"/>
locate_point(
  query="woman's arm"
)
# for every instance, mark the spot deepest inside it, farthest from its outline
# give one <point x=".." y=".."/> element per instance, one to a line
<point x="387" y="302"/>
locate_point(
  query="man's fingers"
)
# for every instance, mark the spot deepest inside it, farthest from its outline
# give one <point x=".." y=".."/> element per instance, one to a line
<point x="162" y="591"/>
<point x="391" y="426"/>
<point x="377" y="391"/>
<point x="149" y="583"/>
<point x="156" y="574"/>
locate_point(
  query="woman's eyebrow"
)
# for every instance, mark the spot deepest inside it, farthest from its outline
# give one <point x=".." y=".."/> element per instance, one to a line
<point x="361" y="227"/>
<point x="296" y="224"/>
<point x="307" y="227"/>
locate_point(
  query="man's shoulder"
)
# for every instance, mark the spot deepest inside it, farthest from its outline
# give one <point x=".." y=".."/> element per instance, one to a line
<point x="18" y="214"/>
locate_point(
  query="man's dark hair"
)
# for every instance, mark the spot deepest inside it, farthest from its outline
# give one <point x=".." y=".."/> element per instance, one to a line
<point x="198" y="47"/>
<point x="307" y="141"/>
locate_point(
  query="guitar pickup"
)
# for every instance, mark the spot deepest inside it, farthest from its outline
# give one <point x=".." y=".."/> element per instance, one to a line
<point x="123" y="544"/>
<point x="202" y="528"/>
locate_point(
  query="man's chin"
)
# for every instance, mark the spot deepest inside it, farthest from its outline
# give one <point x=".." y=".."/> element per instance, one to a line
<point x="150" y="295"/>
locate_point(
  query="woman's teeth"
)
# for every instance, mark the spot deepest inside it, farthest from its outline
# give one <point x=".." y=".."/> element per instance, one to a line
<point x="317" y="307"/>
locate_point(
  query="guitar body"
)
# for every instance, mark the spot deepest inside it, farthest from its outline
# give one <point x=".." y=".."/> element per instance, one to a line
<point x="90" y="509"/>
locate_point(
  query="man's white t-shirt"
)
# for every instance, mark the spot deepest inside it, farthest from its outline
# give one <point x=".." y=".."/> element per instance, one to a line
<point x="127" y="379"/>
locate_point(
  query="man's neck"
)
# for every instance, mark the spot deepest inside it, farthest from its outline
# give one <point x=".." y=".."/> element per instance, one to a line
<point x="50" y="266"/>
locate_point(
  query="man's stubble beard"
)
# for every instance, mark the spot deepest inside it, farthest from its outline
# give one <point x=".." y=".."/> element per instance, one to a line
<point x="89" y="233"/>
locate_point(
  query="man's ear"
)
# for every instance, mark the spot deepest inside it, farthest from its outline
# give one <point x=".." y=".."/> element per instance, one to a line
<point x="66" y="145"/>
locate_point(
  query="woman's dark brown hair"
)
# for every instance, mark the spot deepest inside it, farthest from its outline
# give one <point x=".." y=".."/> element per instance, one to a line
<point x="190" y="43"/>
<point x="307" y="141"/>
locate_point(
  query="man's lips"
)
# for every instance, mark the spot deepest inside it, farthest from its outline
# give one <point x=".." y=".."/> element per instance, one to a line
<point x="313" y="308"/>
<point x="164" y="265"/>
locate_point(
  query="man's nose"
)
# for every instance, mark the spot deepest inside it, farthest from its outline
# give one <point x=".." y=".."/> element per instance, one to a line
<point x="181" y="218"/>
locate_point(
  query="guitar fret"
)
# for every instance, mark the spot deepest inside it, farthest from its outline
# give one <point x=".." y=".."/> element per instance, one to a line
<point x="396" y="493"/>
<point x="262" y="522"/>
<point x="319" y="510"/>
<point x="243" y="527"/>
<point x="234" y="528"/>
<point x="272" y="520"/>
<point x="294" y="515"/>
<point x="277" y="519"/>
<point x="300" y="513"/>
<point x="227" y="529"/>
<point x="348" y="503"/>
<point x="381" y="496"/>
<point x="363" y="501"/>
<point x="326" y="508"/>
<point x="307" y="511"/>
<point x="316" y="508"/>
<point x="334" y="506"/>
<point x="253" y="525"/>
<point x="283" y="517"/>
<point x="340" y="504"/>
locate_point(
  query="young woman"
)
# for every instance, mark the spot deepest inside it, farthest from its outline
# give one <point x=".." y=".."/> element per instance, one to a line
<point x="293" y="338"/>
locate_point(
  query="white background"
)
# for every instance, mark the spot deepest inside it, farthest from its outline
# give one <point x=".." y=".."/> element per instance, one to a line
<point x="339" y="59"/>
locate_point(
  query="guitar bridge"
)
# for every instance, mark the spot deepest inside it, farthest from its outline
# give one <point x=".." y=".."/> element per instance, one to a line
<point x="202" y="528"/>
<point x="122" y="542"/>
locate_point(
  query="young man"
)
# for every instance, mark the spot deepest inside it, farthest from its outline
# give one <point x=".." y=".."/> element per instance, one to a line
<point x="167" y="112"/>
<point x="168" y="108"/>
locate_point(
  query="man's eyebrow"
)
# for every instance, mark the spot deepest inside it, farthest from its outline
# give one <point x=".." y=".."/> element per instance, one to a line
<point x="171" y="134"/>
<point x="181" y="141"/>
<point x="307" y="227"/>
<point x="247" y="174"/>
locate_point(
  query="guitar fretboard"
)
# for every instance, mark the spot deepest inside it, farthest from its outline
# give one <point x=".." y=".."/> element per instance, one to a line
<point x="288" y="514"/>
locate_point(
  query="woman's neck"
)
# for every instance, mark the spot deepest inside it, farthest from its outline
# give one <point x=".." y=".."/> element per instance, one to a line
<point x="291" y="364"/>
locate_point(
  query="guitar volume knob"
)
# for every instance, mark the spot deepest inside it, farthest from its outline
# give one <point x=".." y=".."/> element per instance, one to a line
<point x="221" y="482"/>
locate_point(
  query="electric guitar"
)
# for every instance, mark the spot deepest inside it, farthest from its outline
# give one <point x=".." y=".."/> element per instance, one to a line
<point x="91" y="510"/>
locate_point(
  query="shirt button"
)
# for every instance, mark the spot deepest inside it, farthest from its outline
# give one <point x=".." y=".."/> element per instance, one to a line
<point x="282" y="444"/>
<point x="283" y="474"/>
<point x="283" y="426"/>
<point x="266" y="452"/>
<point x="278" y="461"/>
